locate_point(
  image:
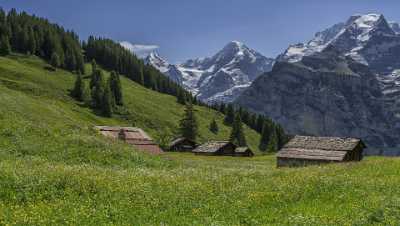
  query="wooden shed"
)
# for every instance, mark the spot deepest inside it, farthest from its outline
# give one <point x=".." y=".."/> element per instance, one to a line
<point x="216" y="148"/>
<point x="131" y="135"/>
<point x="182" y="145"/>
<point x="244" y="152"/>
<point x="307" y="150"/>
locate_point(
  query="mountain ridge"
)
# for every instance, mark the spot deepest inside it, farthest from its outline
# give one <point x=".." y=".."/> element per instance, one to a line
<point x="219" y="78"/>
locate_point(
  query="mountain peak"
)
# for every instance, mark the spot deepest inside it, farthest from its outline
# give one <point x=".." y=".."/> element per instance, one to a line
<point x="366" y="21"/>
<point x="156" y="60"/>
<point x="235" y="46"/>
<point x="236" y="43"/>
<point x="350" y="37"/>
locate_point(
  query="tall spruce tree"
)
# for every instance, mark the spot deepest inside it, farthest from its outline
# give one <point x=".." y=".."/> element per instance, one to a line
<point x="188" y="125"/>
<point x="282" y="138"/>
<point x="116" y="89"/>
<point x="260" y="123"/>
<point x="230" y="115"/>
<point x="94" y="66"/>
<point x="237" y="135"/>
<point x="55" y="60"/>
<point x="181" y="98"/>
<point x="273" y="142"/>
<point x="141" y="75"/>
<point x="31" y="42"/>
<point x="77" y="91"/>
<point x="5" y="48"/>
<point x="98" y="88"/>
<point x="264" y="140"/>
<point x="222" y="108"/>
<point x="107" y="104"/>
<point x="214" y="127"/>
<point x="86" y="96"/>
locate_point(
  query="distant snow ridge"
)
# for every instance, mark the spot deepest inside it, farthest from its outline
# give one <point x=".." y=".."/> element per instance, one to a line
<point x="369" y="39"/>
<point x="220" y="78"/>
<point x="351" y="37"/>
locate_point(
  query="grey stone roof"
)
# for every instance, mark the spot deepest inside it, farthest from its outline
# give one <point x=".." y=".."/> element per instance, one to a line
<point x="211" y="147"/>
<point x="178" y="140"/>
<point x="319" y="148"/>
<point x="242" y="149"/>
<point x="323" y="143"/>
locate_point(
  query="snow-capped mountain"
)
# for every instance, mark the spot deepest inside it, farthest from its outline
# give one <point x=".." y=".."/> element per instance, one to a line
<point x="343" y="82"/>
<point x="221" y="77"/>
<point x="353" y="38"/>
<point x="160" y="63"/>
<point x="369" y="39"/>
<point x="325" y="94"/>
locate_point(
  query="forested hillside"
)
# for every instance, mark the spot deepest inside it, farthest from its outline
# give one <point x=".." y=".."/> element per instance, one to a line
<point x="31" y="35"/>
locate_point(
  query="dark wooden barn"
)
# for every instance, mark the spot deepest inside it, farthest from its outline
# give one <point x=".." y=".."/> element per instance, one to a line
<point x="244" y="152"/>
<point x="182" y="145"/>
<point x="133" y="136"/>
<point x="306" y="150"/>
<point x="216" y="148"/>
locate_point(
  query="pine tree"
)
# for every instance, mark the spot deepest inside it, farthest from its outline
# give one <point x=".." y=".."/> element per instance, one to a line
<point x="188" y="125"/>
<point x="253" y="121"/>
<point x="5" y="48"/>
<point x="230" y="115"/>
<point x="97" y="90"/>
<point x="106" y="105"/>
<point x="141" y="75"/>
<point x="55" y="60"/>
<point x="273" y="143"/>
<point x="24" y="40"/>
<point x="94" y="77"/>
<point x="31" y="42"/>
<point x="222" y="108"/>
<point x="260" y="123"/>
<point x="281" y="136"/>
<point x="214" y="126"/>
<point x="94" y="66"/>
<point x="181" y="98"/>
<point x="195" y="101"/>
<point x="86" y="97"/>
<point x="245" y="116"/>
<point x="79" y="87"/>
<point x="264" y="140"/>
<point x="116" y="89"/>
<point x="70" y="60"/>
<point x="237" y="135"/>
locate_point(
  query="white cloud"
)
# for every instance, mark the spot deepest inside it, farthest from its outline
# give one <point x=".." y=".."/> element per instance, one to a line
<point x="140" y="50"/>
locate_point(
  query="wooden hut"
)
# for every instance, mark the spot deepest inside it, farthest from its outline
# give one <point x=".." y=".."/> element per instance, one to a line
<point x="182" y="145"/>
<point x="131" y="135"/>
<point x="244" y="152"/>
<point x="216" y="148"/>
<point x="306" y="150"/>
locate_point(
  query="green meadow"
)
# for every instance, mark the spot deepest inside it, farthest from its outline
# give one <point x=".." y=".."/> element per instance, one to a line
<point x="56" y="170"/>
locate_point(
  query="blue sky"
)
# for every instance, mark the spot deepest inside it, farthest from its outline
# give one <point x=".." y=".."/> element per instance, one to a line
<point x="195" y="28"/>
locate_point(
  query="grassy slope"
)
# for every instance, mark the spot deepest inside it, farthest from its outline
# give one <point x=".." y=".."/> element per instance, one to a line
<point x="147" y="109"/>
<point x="54" y="170"/>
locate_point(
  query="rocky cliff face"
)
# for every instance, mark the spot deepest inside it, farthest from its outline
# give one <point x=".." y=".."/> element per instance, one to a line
<point x="369" y="39"/>
<point x="324" y="94"/>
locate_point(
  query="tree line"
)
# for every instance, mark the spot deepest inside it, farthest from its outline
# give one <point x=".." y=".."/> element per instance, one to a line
<point x="28" y="34"/>
<point x="113" y="56"/>
<point x="272" y="136"/>
<point x="101" y="94"/>
<point x="23" y="33"/>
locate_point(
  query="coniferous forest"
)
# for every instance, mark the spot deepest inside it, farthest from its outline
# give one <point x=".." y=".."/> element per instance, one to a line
<point x="28" y="34"/>
<point x="61" y="48"/>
